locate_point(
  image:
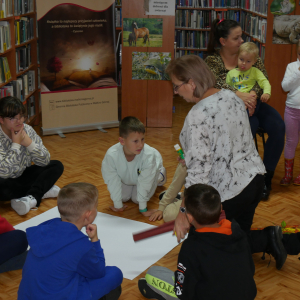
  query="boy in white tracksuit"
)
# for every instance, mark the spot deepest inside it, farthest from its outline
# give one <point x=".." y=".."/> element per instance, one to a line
<point x="132" y="169"/>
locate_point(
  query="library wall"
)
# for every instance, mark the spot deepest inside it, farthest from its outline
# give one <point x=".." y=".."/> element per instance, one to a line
<point x="149" y="100"/>
<point x="276" y="60"/>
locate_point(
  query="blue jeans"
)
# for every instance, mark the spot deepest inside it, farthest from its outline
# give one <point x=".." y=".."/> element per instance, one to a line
<point x="268" y="118"/>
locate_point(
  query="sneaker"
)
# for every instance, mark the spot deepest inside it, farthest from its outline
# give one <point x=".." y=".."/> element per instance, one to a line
<point x="23" y="205"/>
<point x="160" y="196"/>
<point x="52" y="193"/>
<point x="147" y="292"/>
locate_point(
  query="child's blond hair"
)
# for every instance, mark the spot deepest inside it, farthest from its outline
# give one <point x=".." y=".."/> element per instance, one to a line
<point x="76" y="198"/>
<point x="249" y="48"/>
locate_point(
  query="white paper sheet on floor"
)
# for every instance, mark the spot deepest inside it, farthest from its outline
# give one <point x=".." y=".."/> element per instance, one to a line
<point x="120" y="250"/>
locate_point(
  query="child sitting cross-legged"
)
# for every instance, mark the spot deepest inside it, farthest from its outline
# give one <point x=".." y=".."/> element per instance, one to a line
<point x="132" y="169"/>
<point x="215" y="260"/>
<point x="64" y="263"/>
<point x="22" y="183"/>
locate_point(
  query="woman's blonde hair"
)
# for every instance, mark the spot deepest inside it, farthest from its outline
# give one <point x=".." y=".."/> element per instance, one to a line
<point x="192" y="67"/>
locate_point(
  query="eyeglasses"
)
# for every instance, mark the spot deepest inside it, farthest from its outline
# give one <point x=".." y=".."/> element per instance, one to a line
<point x="177" y="87"/>
<point x="15" y="120"/>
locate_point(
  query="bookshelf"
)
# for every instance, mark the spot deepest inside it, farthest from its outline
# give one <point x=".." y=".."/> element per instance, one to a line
<point x="18" y="61"/>
<point x="193" y="20"/>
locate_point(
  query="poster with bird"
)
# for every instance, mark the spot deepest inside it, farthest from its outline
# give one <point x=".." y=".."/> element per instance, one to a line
<point x="150" y="65"/>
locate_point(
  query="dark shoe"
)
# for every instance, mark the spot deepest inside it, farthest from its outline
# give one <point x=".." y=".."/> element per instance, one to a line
<point x="113" y="295"/>
<point x="275" y="246"/>
<point x="266" y="193"/>
<point x="147" y="292"/>
<point x="162" y="194"/>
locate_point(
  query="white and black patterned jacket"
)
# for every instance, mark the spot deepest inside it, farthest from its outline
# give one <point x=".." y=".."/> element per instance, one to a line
<point x="14" y="158"/>
<point x="218" y="145"/>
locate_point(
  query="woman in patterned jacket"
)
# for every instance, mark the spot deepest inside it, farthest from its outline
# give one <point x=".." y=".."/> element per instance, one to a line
<point x="219" y="151"/>
<point x="227" y="34"/>
<point x="24" y="184"/>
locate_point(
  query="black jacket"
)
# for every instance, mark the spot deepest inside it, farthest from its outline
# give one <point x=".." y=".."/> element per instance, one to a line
<point x="214" y="266"/>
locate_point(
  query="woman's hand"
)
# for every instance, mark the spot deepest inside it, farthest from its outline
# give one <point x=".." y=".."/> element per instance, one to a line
<point x="180" y="160"/>
<point x="181" y="226"/>
<point x="248" y="98"/>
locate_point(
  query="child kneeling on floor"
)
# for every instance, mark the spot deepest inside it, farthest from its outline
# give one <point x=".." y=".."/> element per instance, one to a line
<point x="64" y="263"/>
<point x="132" y="169"/>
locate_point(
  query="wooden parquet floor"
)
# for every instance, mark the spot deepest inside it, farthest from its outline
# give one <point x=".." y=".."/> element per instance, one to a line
<point x="82" y="154"/>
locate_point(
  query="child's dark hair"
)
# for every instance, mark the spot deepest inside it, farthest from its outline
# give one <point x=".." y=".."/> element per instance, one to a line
<point x="203" y="202"/>
<point x="11" y="106"/>
<point x="219" y="29"/>
<point x="130" y="124"/>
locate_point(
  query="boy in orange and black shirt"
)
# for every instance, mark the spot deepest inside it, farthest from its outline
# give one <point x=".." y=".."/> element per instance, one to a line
<point x="215" y="260"/>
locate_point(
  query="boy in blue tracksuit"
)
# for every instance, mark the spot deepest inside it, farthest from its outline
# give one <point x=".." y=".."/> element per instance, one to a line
<point x="64" y="263"/>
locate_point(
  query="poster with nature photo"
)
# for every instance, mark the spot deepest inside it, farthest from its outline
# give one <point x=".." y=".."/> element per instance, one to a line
<point x="150" y="65"/>
<point x="286" y="29"/>
<point x="282" y="7"/>
<point x="139" y="32"/>
<point x="76" y="48"/>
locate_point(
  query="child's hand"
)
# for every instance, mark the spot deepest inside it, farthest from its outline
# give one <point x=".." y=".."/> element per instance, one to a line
<point x="91" y="231"/>
<point x="149" y="212"/>
<point x="118" y="209"/>
<point x="265" y="97"/>
<point x="157" y="215"/>
<point x="21" y="137"/>
<point x="180" y="160"/>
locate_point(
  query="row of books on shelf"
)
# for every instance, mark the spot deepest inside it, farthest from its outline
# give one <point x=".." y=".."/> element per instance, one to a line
<point x="118" y="2"/>
<point x="6" y="8"/>
<point x="118" y="16"/>
<point x="255" y="26"/>
<point x="257" y="6"/>
<point x="5" y="74"/>
<point x="208" y="3"/>
<point x="191" y="39"/>
<point x="22" y="6"/>
<point x="20" y="88"/>
<point x="23" y="58"/>
<point x="199" y="40"/>
<point x="5" y="42"/>
<point x="202" y="19"/>
<point x="23" y="30"/>
<point x="180" y="53"/>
